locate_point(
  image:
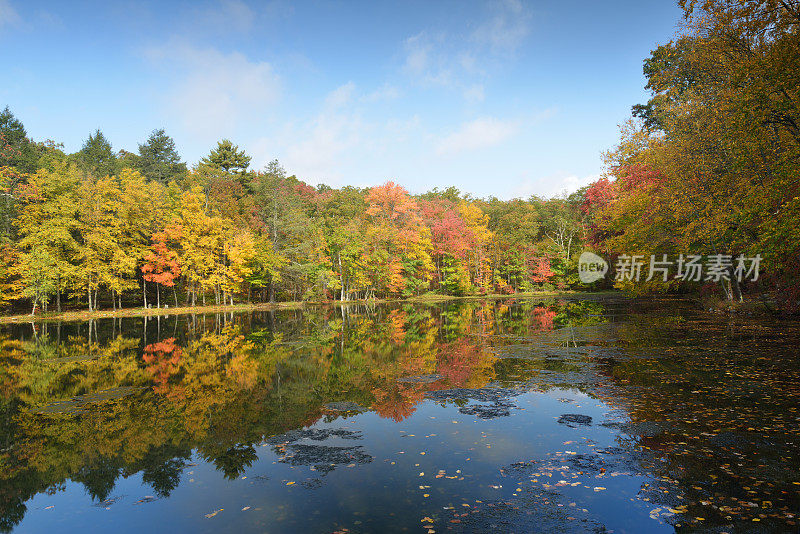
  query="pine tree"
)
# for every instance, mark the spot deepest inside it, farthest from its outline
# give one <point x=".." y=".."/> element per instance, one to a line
<point x="97" y="157"/>
<point x="158" y="158"/>
<point x="227" y="157"/>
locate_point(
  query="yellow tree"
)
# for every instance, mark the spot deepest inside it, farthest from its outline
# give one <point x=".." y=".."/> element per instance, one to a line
<point x="477" y="223"/>
<point x="49" y="221"/>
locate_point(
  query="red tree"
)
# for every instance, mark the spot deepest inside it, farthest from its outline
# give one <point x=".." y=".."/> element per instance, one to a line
<point x="161" y="264"/>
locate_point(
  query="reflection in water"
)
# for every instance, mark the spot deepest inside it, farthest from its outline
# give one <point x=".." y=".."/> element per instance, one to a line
<point x="572" y="414"/>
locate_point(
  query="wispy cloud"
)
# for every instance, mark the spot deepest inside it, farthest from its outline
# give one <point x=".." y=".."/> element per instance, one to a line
<point x="233" y="17"/>
<point x="319" y="147"/>
<point x="343" y="135"/>
<point x="506" y="29"/>
<point x="340" y="96"/>
<point x="552" y="186"/>
<point x="323" y="146"/>
<point x="385" y="92"/>
<point x="426" y="60"/>
<point x="213" y="92"/>
<point x="465" y="61"/>
<point x="230" y="14"/>
<point x="474" y="94"/>
<point x="477" y="134"/>
<point x="8" y="15"/>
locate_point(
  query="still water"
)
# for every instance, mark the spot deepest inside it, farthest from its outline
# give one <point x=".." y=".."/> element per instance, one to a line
<point x="567" y="415"/>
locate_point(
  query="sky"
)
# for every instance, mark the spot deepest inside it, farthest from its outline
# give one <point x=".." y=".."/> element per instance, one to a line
<point x="503" y="98"/>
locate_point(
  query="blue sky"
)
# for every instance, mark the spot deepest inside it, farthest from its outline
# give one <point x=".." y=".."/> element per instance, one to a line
<point x="502" y="98"/>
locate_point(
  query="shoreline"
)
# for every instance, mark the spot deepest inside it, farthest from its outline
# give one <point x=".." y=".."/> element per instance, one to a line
<point x="85" y="315"/>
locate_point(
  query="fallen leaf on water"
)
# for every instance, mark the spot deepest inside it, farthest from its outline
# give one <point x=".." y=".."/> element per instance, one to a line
<point x="212" y="514"/>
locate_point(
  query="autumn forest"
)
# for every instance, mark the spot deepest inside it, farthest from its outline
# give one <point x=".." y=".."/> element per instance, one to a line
<point x="708" y="165"/>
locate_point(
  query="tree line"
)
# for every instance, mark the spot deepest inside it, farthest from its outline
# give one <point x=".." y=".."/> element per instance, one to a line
<point x="110" y="228"/>
<point x="710" y="164"/>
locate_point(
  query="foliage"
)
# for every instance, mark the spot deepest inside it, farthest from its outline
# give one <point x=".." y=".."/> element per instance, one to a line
<point x="712" y="167"/>
<point x="158" y="158"/>
<point x="96" y="156"/>
<point x="228" y="157"/>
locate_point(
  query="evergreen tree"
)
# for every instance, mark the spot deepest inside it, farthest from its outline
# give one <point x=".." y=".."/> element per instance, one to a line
<point x="96" y="156"/>
<point x="158" y="159"/>
<point x="16" y="150"/>
<point x="227" y="157"/>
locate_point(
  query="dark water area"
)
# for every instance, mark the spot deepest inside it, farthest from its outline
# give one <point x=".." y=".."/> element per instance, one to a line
<point x="565" y="415"/>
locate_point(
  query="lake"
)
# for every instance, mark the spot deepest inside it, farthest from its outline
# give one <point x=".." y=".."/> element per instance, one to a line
<point x="588" y="414"/>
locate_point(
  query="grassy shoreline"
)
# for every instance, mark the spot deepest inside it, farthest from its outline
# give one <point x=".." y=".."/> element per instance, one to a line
<point x="83" y="315"/>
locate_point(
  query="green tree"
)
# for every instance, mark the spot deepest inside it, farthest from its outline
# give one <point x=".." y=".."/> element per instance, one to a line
<point x="16" y="150"/>
<point x="158" y="158"/>
<point x="96" y="156"/>
<point x="227" y="157"/>
<point x="39" y="277"/>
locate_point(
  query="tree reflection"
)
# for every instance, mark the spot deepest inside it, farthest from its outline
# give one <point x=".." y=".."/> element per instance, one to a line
<point x="91" y="404"/>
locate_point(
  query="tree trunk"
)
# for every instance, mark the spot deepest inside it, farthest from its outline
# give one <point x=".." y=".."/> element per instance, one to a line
<point x="726" y="288"/>
<point x="736" y="289"/>
<point x="144" y="292"/>
<point x="341" y="279"/>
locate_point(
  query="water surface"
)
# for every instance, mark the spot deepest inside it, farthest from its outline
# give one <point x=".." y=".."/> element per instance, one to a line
<point x="568" y="415"/>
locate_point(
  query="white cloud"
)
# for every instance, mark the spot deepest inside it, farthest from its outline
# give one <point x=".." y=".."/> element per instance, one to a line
<point x="480" y="133"/>
<point x="230" y="14"/>
<point x="340" y="135"/>
<point x="317" y="149"/>
<point x="8" y="15"/>
<point x="417" y="50"/>
<point x="553" y="185"/>
<point x="506" y="29"/>
<point x="385" y="92"/>
<point x="341" y="96"/>
<point x="463" y="62"/>
<point x="426" y="61"/>
<point x="212" y="92"/>
<point x="321" y="147"/>
<point x="474" y="94"/>
<point x="236" y="17"/>
<point x="570" y="184"/>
